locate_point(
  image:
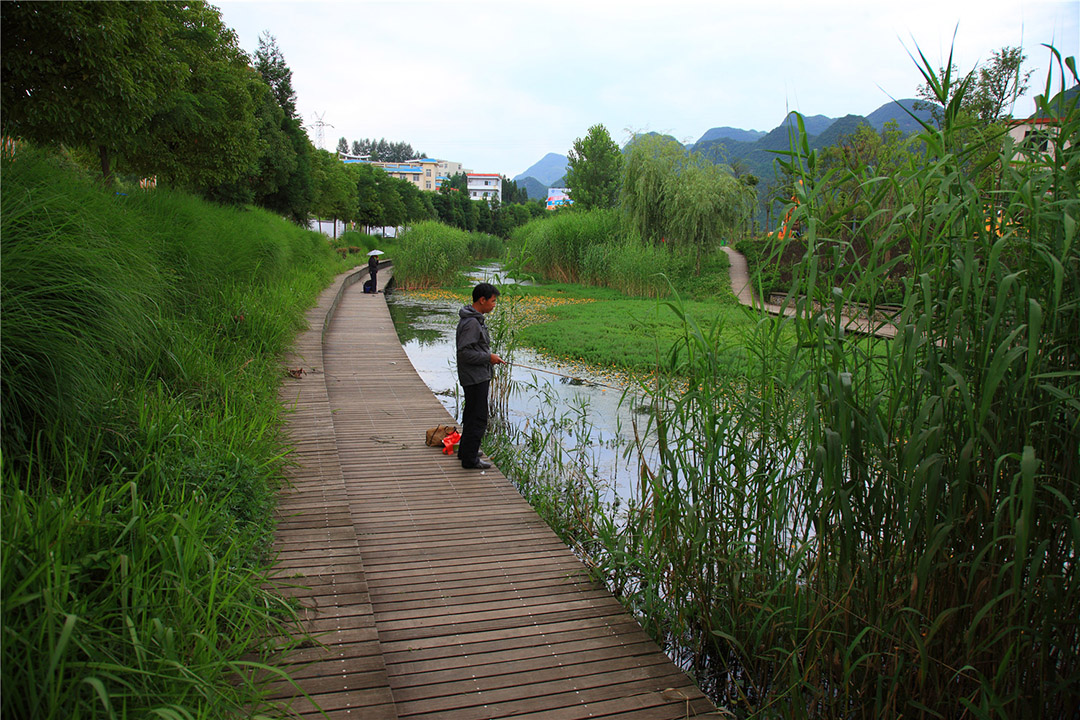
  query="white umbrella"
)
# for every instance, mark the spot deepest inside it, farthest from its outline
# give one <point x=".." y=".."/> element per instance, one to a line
<point x="376" y="252"/>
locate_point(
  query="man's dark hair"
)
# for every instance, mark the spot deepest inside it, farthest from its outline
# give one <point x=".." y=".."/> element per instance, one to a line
<point x="484" y="290"/>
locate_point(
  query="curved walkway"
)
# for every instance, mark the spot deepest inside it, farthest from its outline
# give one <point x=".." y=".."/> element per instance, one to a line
<point x="435" y="591"/>
<point x="740" y="285"/>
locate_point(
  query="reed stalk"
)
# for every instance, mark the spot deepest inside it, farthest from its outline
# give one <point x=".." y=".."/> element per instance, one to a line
<point x="876" y="527"/>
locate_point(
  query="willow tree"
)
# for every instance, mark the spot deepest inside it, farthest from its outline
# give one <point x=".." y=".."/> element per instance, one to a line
<point x="651" y="164"/>
<point x="706" y="201"/>
<point x="679" y="198"/>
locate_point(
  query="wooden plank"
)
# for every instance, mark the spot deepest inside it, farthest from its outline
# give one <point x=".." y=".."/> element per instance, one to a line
<point x="474" y="607"/>
<point x="318" y="561"/>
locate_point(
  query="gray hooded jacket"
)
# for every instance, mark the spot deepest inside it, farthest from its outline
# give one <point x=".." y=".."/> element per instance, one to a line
<point x="473" y="347"/>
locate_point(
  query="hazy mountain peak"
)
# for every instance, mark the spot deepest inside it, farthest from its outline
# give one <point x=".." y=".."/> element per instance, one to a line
<point x="550" y="168"/>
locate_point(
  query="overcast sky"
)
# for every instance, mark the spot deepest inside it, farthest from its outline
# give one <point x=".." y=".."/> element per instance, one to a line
<point x="496" y="85"/>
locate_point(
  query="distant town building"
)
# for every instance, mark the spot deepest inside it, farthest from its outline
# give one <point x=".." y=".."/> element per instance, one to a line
<point x="557" y="198"/>
<point x="1036" y="135"/>
<point x="484" y="186"/>
<point x="421" y="172"/>
<point x="449" y="169"/>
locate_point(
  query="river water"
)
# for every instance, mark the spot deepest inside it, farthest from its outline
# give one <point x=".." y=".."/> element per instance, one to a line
<point x="596" y="417"/>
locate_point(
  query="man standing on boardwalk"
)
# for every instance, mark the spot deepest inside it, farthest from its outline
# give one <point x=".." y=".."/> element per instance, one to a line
<point x="474" y="361"/>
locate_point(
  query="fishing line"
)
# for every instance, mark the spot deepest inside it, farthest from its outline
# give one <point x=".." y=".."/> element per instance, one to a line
<point x="298" y="372"/>
<point x="558" y="374"/>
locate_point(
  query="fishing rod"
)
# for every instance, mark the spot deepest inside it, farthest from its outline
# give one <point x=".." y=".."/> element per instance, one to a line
<point x="569" y="377"/>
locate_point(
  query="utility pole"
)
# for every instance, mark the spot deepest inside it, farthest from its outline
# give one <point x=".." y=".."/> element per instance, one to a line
<point x="319" y="124"/>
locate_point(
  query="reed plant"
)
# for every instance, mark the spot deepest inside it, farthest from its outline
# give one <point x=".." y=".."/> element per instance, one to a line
<point x="430" y="255"/>
<point x="140" y="364"/>
<point x="483" y="246"/>
<point x="596" y="248"/>
<point x="885" y="526"/>
<point x="558" y="245"/>
<point x="550" y="461"/>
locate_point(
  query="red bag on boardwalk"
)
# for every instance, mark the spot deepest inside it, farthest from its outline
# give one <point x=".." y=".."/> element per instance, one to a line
<point x="449" y="441"/>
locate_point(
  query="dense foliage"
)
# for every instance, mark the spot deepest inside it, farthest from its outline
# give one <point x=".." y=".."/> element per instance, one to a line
<point x="379" y="150"/>
<point x="593" y="170"/>
<point x="157" y="90"/>
<point x="432" y="254"/>
<point x="140" y="366"/>
<point x="598" y="248"/>
<point x="879" y="526"/>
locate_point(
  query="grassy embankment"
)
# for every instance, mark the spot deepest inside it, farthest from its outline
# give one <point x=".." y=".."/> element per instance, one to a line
<point x="142" y="336"/>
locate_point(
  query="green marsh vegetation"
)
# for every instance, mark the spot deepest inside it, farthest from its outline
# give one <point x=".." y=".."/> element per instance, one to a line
<point x="431" y="254"/>
<point x="142" y="336"/>
<point x="870" y="527"/>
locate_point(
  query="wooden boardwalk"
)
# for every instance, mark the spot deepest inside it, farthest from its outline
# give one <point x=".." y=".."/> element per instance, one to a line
<point x="739" y="273"/>
<point x="436" y="591"/>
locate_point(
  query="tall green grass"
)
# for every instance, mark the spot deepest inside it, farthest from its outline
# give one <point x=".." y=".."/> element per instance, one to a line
<point x="431" y="254"/>
<point x="558" y="245"/>
<point x="885" y="527"/>
<point x="860" y="526"/>
<point x="142" y="336"/>
<point x="595" y="248"/>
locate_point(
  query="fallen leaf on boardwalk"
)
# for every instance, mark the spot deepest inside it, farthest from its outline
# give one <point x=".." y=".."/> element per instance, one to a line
<point x="296" y="372"/>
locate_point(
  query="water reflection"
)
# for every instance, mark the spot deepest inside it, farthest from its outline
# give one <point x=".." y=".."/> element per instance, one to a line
<point x="493" y="273"/>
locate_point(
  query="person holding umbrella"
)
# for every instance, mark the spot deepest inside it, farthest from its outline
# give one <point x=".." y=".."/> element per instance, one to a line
<point x="373" y="268"/>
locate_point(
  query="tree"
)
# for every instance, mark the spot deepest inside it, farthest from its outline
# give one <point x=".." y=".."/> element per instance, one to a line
<point x="383" y="151"/>
<point x="202" y="131"/>
<point x="512" y="193"/>
<point x="593" y="168"/>
<point x="85" y="73"/>
<point x="153" y="88"/>
<point x="336" y="190"/>
<point x="1000" y="85"/>
<point x="270" y="64"/>
<point x="393" y="214"/>
<point x="683" y="200"/>
<point x="987" y="93"/>
<point x="275" y="158"/>
<point x="705" y="202"/>
<point x="485" y="217"/>
<point x="296" y="196"/>
<point x="342" y="145"/>
<point x="458" y="182"/>
<point x="651" y="164"/>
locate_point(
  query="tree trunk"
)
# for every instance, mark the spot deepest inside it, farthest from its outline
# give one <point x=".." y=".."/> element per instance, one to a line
<point x="106" y="162"/>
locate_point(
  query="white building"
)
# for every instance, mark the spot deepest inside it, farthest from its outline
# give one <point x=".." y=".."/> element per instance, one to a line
<point x="485" y="186"/>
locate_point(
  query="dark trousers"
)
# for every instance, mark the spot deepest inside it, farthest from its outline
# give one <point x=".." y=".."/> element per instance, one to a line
<point x="474" y="420"/>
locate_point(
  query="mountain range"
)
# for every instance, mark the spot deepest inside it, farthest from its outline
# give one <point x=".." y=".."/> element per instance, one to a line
<point x="753" y="150"/>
